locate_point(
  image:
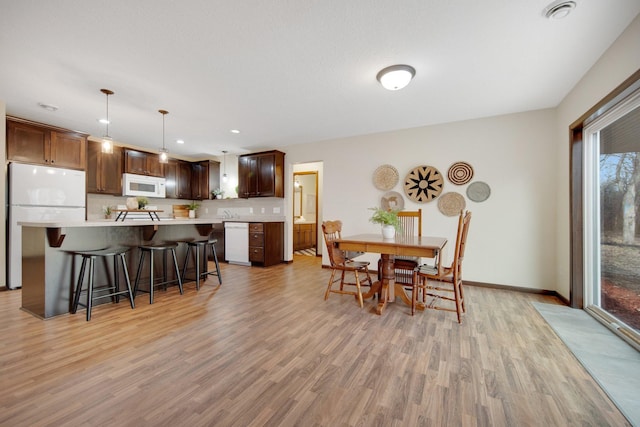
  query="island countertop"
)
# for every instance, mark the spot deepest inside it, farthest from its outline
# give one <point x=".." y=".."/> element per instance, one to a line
<point x="146" y="222"/>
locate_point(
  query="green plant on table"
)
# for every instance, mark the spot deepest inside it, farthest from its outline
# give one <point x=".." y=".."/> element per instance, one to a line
<point x="106" y="210"/>
<point x="142" y="202"/>
<point x="193" y="206"/>
<point x="385" y="217"/>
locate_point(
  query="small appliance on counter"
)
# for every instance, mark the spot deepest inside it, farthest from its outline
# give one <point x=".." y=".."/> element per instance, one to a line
<point x="40" y="193"/>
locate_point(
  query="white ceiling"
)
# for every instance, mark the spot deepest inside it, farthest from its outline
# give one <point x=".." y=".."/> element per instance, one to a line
<point x="289" y="71"/>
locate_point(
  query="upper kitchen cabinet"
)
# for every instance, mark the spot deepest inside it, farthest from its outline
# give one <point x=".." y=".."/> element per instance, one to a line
<point x="32" y="142"/>
<point x="178" y="176"/>
<point x="200" y="180"/>
<point x="104" y="171"/>
<point x="142" y="163"/>
<point x="261" y="174"/>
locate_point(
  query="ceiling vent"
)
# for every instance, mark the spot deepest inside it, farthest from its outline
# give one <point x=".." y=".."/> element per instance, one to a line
<point x="559" y="9"/>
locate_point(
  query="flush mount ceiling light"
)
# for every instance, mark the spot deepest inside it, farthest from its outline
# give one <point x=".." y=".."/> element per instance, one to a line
<point x="559" y="9"/>
<point x="396" y="77"/>
<point x="164" y="154"/>
<point x="107" y="142"/>
<point x="47" y="107"/>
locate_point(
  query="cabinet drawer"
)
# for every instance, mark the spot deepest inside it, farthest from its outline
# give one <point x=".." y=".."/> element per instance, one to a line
<point x="256" y="227"/>
<point x="256" y="254"/>
<point x="256" y="239"/>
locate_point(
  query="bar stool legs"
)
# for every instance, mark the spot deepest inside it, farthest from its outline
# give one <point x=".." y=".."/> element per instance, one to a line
<point x="150" y="249"/>
<point x="196" y="251"/>
<point x="115" y="292"/>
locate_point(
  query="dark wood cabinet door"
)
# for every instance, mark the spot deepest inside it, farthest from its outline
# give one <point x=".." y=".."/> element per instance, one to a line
<point x="200" y="181"/>
<point x="68" y="150"/>
<point x="261" y="174"/>
<point x="171" y="179"/>
<point x="135" y="162"/>
<point x="154" y="167"/>
<point x="28" y="143"/>
<point x="111" y="172"/>
<point x="104" y="171"/>
<point x="184" y="180"/>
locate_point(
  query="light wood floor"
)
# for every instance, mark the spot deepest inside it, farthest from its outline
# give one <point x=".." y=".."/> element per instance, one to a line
<point x="266" y="349"/>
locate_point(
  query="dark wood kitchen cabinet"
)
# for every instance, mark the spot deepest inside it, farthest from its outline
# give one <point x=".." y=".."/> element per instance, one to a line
<point x="178" y="179"/>
<point x="104" y="171"/>
<point x="142" y="163"/>
<point x="37" y="143"/>
<point x="261" y="174"/>
<point x="200" y="180"/>
<point x="266" y="243"/>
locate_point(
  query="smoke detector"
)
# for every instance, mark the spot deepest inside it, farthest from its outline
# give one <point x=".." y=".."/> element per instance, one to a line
<point x="559" y="9"/>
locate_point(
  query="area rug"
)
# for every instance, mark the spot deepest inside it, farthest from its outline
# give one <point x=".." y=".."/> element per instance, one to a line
<point x="613" y="363"/>
<point x="306" y="252"/>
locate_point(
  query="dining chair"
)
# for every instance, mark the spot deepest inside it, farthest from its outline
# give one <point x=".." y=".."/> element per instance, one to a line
<point x="447" y="280"/>
<point x="410" y="225"/>
<point x="340" y="263"/>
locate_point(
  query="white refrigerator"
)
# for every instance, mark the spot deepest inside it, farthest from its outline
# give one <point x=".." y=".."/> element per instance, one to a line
<point x="40" y="193"/>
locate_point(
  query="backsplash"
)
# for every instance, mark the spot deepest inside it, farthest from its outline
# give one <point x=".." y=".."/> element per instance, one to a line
<point x="219" y="208"/>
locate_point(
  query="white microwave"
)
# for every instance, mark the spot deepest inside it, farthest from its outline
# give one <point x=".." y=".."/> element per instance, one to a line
<point x="143" y="185"/>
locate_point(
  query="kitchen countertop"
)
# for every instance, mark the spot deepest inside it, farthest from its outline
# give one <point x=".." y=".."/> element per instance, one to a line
<point x="145" y="222"/>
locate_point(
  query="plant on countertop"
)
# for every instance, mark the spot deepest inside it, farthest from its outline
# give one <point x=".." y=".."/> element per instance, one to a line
<point x="107" y="211"/>
<point x="217" y="193"/>
<point x="142" y="202"/>
<point x="193" y="206"/>
<point x="385" y="217"/>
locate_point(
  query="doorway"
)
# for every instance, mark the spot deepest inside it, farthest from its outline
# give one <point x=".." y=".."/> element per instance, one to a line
<point x="305" y="213"/>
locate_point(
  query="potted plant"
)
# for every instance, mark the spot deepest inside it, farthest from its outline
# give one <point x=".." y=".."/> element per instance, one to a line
<point x="142" y="202"/>
<point x="192" y="209"/>
<point x="107" y="212"/>
<point x="388" y="219"/>
<point x="217" y="193"/>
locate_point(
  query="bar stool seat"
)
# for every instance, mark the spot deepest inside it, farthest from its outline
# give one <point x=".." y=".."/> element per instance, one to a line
<point x="196" y="245"/>
<point x="151" y="249"/>
<point x="112" y="291"/>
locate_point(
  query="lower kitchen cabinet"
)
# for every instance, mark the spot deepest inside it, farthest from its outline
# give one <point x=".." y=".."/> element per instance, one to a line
<point x="266" y="243"/>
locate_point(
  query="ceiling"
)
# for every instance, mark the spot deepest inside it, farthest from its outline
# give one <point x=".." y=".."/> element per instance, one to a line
<point x="289" y="71"/>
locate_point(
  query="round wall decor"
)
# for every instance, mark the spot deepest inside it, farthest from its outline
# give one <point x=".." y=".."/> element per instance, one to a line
<point x="392" y="200"/>
<point x="478" y="191"/>
<point x="423" y="184"/>
<point x="385" y="177"/>
<point x="460" y="173"/>
<point x="450" y="204"/>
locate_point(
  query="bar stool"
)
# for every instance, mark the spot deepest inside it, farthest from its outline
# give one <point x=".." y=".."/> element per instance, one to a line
<point x="196" y="245"/>
<point x="115" y="292"/>
<point x="151" y="249"/>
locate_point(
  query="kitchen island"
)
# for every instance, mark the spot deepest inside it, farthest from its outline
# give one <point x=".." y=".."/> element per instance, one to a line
<point x="50" y="269"/>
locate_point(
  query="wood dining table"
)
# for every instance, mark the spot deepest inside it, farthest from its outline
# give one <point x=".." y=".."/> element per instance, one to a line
<point x="416" y="246"/>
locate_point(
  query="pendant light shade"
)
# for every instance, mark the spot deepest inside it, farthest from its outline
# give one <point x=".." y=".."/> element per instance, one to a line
<point x="164" y="154"/>
<point x="396" y="77"/>
<point x="107" y="142"/>
<point x="225" y="178"/>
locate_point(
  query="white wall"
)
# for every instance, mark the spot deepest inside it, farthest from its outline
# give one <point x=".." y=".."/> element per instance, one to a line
<point x="512" y="235"/>
<point x="618" y="63"/>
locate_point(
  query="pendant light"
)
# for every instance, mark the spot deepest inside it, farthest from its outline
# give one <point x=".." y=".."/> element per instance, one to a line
<point x="225" y="178"/>
<point x="164" y="154"/>
<point x="107" y="142"/>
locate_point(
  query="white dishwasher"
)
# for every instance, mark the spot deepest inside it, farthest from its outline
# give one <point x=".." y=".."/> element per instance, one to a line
<point x="236" y="242"/>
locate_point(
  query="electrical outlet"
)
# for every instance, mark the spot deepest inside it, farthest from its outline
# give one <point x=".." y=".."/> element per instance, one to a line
<point x="262" y="210"/>
<point x="250" y="210"/>
<point x="276" y="210"/>
<point x="206" y="210"/>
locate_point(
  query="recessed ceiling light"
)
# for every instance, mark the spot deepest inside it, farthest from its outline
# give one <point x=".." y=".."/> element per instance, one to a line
<point x="559" y="9"/>
<point x="48" y="107"/>
<point x="180" y="141"/>
<point x="235" y="131"/>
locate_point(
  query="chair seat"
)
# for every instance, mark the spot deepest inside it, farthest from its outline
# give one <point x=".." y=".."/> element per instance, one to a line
<point x="357" y="264"/>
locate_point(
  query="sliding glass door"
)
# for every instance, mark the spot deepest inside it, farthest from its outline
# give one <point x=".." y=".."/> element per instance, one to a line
<point x="612" y="216"/>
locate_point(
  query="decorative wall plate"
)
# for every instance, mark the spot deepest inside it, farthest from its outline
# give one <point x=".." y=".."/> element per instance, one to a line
<point x="460" y="173"/>
<point x="392" y="200"/>
<point x="385" y="177"/>
<point x="423" y="184"/>
<point x="478" y="191"/>
<point x="450" y="204"/>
